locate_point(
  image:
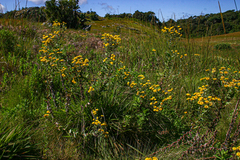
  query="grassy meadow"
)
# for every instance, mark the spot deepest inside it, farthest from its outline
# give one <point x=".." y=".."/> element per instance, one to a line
<point x="123" y="90"/>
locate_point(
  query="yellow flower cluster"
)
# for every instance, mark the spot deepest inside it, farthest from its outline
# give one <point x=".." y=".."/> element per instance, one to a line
<point x="224" y="77"/>
<point x="181" y="55"/>
<point x="110" y="40"/>
<point x="205" y="78"/>
<point x="144" y="89"/>
<point x="126" y="75"/>
<point x="172" y="30"/>
<point x="105" y="59"/>
<point x="47" y="39"/>
<point x="141" y="77"/>
<point x="78" y="60"/>
<point x="50" y="54"/>
<point x="111" y="59"/>
<point x="154" y="103"/>
<point x="57" y="24"/>
<point x="132" y="84"/>
<point x="73" y="81"/>
<point x="62" y="71"/>
<point x="201" y="98"/>
<point x="90" y="89"/>
<point x="47" y="114"/>
<point x="155" y="88"/>
<point x="237" y="149"/>
<point x="124" y="67"/>
<point x="98" y="123"/>
<point x="153" y="158"/>
<point x="79" y="63"/>
<point x="94" y="111"/>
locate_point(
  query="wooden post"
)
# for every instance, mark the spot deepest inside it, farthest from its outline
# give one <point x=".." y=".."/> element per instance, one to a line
<point x="235" y="5"/>
<point x="222" y="17"/>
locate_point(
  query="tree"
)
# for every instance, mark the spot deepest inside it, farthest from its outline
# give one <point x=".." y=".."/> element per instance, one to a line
<point x="94" y="16"/>
<point x="64" y="11"/>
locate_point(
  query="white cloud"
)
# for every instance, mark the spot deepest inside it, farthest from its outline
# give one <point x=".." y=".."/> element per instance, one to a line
<point x="2" y="8"/>
<point x="108" y="8"/>
<point x="38" y="1"/>
<point x="83" y="2"/>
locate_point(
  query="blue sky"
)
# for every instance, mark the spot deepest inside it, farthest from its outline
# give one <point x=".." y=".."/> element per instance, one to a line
<point x="175" y="9"/>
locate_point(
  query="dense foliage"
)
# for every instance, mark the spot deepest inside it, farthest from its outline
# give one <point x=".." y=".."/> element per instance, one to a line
<point x="72" y="94"/>
<point x="210" y="24"/>
<point x="142" y="16"/>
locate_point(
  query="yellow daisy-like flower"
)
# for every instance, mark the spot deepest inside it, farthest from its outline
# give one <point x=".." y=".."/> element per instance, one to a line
<point x="104" y="124"/>
<point x="238" y="154"/>
<point x="154" y="50"/>
<point x="46" y="115"/>
<point x="90" y="89"/>
<point x="73" y="81"/>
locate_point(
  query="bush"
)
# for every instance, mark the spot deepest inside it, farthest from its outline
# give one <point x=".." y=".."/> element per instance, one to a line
<point x="94" y="16"/>
<point x="7" y="41"/>
<point x="64" y="11"/>
<point x="222" y="46"/>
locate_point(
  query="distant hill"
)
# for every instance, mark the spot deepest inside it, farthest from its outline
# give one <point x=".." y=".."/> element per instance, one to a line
<point x="194" y="26"/>
<point x="34" y="14"/>
<point x="210" y="24"/>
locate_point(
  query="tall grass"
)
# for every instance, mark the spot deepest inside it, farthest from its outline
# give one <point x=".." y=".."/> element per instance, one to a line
<point x="83" y="95"/>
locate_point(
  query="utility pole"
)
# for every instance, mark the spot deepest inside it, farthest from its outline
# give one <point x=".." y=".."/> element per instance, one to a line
<point x="221" y="17"/>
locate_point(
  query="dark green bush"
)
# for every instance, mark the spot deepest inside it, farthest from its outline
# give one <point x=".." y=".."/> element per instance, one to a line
<point x="64" y="11"/>
<point x="222" y="46"/>
<point x="7" y="41"/>
<point x="94" y="16"/>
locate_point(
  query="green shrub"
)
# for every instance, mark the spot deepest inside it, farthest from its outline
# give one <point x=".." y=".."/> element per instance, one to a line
<point x="7" y="41"/>
<point x="222" y="46"/>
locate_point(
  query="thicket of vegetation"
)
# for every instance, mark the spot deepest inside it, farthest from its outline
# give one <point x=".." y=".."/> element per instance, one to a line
<point x="211" y="24"/>
<point x="195" y="26"/>
<point x="142" y="16"/>
<point x="71" y="94"/>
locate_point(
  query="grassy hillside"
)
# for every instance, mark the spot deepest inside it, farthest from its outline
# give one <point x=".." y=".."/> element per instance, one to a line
<point x="123" y="90"/>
